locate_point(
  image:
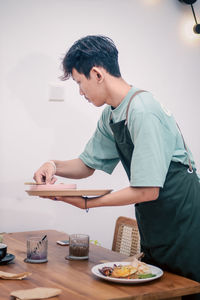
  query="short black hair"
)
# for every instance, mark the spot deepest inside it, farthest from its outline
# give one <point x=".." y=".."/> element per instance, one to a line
<point x="90" y="51"/>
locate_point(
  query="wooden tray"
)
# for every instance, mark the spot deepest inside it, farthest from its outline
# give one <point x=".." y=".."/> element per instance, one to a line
<point x="69" y="192"/>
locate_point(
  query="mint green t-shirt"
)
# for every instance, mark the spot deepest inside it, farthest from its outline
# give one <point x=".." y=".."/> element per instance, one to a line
<point x="154" y="133"/>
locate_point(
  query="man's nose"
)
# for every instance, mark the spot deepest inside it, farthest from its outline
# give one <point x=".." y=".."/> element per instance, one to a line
<point x="81" y="92"/>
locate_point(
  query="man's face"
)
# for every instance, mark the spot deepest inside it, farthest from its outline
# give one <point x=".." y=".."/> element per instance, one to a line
<point x="89" y="87"/>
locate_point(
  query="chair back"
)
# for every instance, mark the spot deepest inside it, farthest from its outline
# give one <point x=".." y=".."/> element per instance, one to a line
<point x="126" y="236"/>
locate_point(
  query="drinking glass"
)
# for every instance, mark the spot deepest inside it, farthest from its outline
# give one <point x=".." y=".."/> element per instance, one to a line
<point x="78" y="246"/>
<point x="37" y="250"/>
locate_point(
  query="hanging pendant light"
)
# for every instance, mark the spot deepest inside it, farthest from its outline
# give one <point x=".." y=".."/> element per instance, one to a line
<point x="196" y="27"/>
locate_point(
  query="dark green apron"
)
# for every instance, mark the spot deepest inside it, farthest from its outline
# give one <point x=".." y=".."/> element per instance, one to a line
<point x="169" y="226"/>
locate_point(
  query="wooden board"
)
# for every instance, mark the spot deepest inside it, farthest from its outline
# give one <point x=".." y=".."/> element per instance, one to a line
<point x="69" y="192"/>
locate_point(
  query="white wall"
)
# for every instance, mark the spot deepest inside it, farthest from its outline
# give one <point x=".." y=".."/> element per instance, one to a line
<point x="155" y="53"/>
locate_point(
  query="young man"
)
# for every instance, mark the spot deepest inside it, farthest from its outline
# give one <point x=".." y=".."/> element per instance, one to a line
<point x="135" y="129"/>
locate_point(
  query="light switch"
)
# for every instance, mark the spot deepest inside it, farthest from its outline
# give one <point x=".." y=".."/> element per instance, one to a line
<point x="56" y="93"/>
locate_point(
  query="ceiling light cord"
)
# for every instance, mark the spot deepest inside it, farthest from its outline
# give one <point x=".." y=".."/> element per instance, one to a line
<point x="194" y="14"/>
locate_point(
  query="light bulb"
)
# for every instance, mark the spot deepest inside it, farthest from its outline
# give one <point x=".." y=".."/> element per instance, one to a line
<point x="196" y="28"/>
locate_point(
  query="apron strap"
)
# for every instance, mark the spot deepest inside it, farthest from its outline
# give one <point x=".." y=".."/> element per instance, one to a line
<point x="190" y="169"/>
<point x="135" y="94"/>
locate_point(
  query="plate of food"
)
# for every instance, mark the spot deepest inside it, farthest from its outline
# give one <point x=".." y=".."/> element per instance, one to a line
<point x="127" y="272"/>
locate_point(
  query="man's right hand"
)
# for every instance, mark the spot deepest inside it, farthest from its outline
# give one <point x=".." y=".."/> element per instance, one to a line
<point x="45" y="174"/>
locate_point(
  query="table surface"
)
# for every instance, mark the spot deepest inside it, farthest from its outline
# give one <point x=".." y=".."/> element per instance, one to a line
<point x="75" y="279"/>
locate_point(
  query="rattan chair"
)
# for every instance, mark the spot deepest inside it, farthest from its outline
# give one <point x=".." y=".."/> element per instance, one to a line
<point x="126" y="236"/>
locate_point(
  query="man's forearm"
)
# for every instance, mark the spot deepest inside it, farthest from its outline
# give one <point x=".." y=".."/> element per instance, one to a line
<point x="126" y="196"/>
<point x="74" y="169"/>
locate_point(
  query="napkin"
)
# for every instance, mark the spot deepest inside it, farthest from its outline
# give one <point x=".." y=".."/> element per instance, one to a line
<point x="36" y="293"/>
<point x="6" y="275"/>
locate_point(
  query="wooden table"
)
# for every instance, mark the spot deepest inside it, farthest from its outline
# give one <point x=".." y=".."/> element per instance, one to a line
<point x="75" y="277"/>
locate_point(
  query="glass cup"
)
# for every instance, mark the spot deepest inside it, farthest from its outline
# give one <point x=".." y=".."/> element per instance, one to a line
<point x="3" y="250"/>
<point x="78" y="246"/>
<point x="37" y="250"/>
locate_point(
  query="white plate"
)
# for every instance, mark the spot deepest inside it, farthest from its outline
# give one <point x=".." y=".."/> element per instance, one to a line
<point x="154" y="270"/>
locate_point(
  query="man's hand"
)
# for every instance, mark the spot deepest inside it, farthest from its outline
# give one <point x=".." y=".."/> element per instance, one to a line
<point x="45" y="174"/>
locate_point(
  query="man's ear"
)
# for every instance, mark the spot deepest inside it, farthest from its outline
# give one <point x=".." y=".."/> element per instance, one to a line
<point x="97" y="72"/>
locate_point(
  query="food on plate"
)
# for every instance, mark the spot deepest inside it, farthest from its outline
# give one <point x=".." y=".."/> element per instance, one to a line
<point x="123" y="271"/>
<point x="52" y="187"/>
<point x="134" y="270"/>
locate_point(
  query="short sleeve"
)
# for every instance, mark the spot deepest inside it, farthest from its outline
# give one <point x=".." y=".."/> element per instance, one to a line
<point x="154" y="145"/>
<point x="100" y="152"/>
